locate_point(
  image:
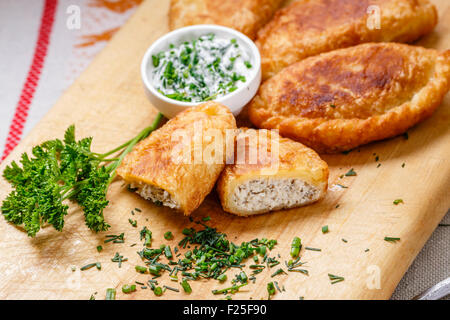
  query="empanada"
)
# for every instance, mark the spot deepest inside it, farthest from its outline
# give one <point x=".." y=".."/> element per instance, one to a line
<point x="280" y="174"/>
<point x="309" y="27"/>
<point x="246" y="16"/>
<point x="178" y="164"/>
<point x="339" y="100"/>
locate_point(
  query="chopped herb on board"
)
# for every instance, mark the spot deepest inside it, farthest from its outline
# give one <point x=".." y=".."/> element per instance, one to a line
<point x="110" y="294"/>
<point x="186" y="286"/>
<point x="133" y="222"/>
<point x="158" y="291"/>
<point x="391" y="239"/>
<point x="398" y="201"/>
<point x="141" y="269"/>
<point x="271" y="289"/>
<point x="168" y="252"/>
<point x="335" y="279"/>
<point x="171" y="289"/>
<point x="88" y="266"/>
<point x="115" y="238"/>
<point x="128" y="288"/>
<point x="313" y="249"/>
<point x="168" y="235"/>
<point x="119" y="259"/>
<point x="233" y="289"/>
<point x="325" y="229"/>
<point x="279" y="271"/>
<point x="222" y="277"/>
<point x="295" y="247"/>
<point x="147" y="235"/>
<point x="304" y="271"/>
<point x="350" y="173"/>
<point x="276" y="286"/>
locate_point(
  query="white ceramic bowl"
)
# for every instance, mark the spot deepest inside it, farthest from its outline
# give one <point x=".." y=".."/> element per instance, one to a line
<point x="235" y="100"/>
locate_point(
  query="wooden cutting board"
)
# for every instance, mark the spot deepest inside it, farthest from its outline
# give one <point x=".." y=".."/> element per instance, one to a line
<point x="108" y="102"/>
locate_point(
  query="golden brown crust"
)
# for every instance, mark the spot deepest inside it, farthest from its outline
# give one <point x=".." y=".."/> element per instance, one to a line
<point x="153" y="160"/>
<point x="246" y="16"/>
<point x="284" y="158"/>
<point x="339" y="100"/>
<point x="306" y="28"/>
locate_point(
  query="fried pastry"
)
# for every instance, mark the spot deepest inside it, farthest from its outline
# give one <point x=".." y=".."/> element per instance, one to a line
<point x="246" y="16"/>
<point x="309" y="27"/>
<point x="281" y="174"/>
<point x="339" y="100"/>
<point x="178" y="164"/>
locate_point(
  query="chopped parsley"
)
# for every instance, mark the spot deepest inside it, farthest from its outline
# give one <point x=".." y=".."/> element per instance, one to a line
<point x="110" y="294"/>
<point x="295" y="247"/>
<point x="168" y="235"/>
<point x="88" y="266"/>
<point x="312" y="249"/>
<point x="119" y="259"/>
<point x="115" y="238"/>
<point x="335" y="279"/>
<point x="133" y="222"/>
<point x="128" y="288"/>
<point x="350" y="173"/>
<point x="391" y="239"/>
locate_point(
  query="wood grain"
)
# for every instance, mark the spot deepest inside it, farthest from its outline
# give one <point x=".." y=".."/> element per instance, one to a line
<point x="108" y="102"/>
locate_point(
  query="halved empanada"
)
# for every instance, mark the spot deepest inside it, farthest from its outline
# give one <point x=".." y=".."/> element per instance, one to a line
<point x="178" y="164"/>
<point x="309" y="27"/>
<point x="271" y="173"/>
<point x="339" y="100"/>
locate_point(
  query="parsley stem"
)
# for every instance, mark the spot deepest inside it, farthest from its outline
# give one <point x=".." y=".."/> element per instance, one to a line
<point x="142" y="135"/>
<point x="110" y="294"/>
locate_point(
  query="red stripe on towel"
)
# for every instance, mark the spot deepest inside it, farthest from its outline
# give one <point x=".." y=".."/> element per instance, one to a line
<point x="29" y="87"/>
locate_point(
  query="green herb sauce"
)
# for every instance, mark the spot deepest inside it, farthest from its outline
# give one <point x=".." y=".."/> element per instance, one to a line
<point x="201" y="70"/>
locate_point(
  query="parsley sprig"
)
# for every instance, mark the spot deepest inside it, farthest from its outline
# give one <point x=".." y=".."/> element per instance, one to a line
<point x="58" y="171"/>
